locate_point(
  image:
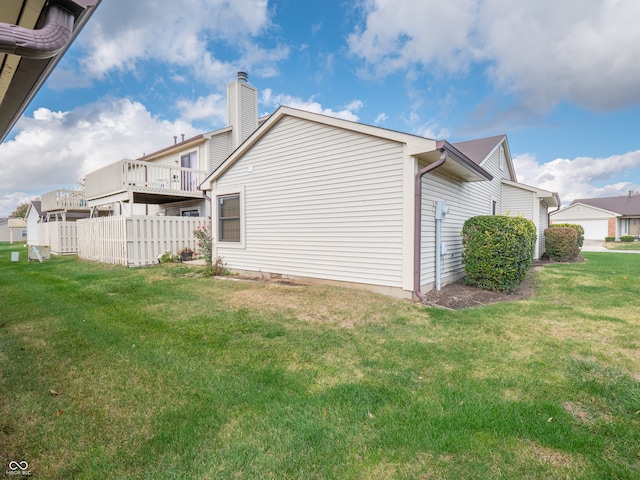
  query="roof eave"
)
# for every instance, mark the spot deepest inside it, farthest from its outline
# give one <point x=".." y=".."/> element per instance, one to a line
<point x="32" y="73"/>
<point x="466" y="169"/>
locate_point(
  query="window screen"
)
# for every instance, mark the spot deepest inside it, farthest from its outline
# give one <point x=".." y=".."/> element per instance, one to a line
<point x="229" y="218"/>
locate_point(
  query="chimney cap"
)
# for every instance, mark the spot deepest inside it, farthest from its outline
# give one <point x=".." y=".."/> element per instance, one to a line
<point x="242" y="76"/>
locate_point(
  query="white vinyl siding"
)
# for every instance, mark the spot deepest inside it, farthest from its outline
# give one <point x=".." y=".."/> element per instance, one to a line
<point x="242" y="111"/>
<point x="542" y="225"/>
<point x="219" y="149"/>
<point x="517" y="201"/>
<point x="173" y="159"/>
<point x="320" y="202"/>
<point x="465" y="200"/>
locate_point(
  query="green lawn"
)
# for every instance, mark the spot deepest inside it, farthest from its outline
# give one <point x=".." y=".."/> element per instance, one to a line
<point x="622" y="245"/>
<point x="161" y="373"/>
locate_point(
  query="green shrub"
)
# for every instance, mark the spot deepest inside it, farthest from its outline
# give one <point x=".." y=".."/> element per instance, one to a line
<point x="498" y="251"/>
<point x="167" y="257"/>
<point x="561" y="243"/>
<point x="627" y="238"/>
<point x="609" y="239"/>
<point x="578" y="228"/>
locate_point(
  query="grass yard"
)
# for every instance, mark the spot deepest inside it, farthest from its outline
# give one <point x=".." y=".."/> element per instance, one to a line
<point x="160" y="373"/>
<point x="622" y="245"/>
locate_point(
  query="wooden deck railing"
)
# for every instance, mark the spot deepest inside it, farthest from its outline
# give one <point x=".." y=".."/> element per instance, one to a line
<point x="143" y="177"/>
<point x="65" y="200"/>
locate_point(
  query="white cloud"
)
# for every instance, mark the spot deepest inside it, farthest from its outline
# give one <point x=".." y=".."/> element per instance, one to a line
<point x="213" y="107"/>
<point x="56" y="149"/>
<point x="581" y="177"/>
<point x="10" y="200"/>
<point x="581" y="51"/>
<point x="434" y="131"/>
<point x="347" y="112"/>
<point x="123" y="33"/>
<point x="381" y="118"/>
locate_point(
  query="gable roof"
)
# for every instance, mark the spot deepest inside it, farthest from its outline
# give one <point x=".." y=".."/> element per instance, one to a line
<point x="420" y="147"/>
<point x="34" y="205"/>
<point x="552" y="199"/>
<point x="627" y="205"/>
<point x="176" y="147"/>
<point x="577" y="206"/>
<point x="480" y="149"/>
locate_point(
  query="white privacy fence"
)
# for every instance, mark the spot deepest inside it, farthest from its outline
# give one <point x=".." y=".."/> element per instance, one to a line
<point x="137" y="240"/>
<point x="61" y="236"/>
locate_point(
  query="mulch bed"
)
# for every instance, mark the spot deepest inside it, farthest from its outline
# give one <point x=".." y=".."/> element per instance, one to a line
<point x="457" y="295"/>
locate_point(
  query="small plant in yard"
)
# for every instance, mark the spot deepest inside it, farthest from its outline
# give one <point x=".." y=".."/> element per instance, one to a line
<point x="627" y="238"/>
<point x="167" y="257"/>
<point x="219" y="267"/>
<point x="205" y="243"/>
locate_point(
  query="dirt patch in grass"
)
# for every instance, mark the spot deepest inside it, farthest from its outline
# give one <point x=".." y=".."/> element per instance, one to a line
<point x="452" y="296"/>
<point x="457" y="295"/>
<point x="314" y="303"/>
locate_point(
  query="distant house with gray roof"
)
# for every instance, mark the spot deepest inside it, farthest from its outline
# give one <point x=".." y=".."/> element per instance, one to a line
<point x="603" y="217"/>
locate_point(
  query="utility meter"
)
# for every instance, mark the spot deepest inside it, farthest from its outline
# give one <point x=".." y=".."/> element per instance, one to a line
<point x="441" y="209"/>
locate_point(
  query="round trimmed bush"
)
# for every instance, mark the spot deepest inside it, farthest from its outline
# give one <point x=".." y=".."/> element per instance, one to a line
<point x="578" y="228"/>
<point x="498" y="251"/>
<point x="561" y="243"/>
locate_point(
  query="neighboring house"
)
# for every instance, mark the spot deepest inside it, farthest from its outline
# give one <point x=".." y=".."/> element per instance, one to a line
<point x="34" y="218"/>
<point x="52" y="221"/>
<point x="34" y="35"/>
<point x="312" y="197"/>
<point x="157" y="201"/>
<point x="603" y="217"/>
<point x="5" y="234"/>
<point x="517" y="199"/>
<point x="17" y="230"/>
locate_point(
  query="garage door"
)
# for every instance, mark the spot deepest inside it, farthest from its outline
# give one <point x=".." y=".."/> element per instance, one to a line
<point x="594" y="229"/>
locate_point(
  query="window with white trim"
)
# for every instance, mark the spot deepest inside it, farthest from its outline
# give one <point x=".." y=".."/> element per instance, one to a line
<point x="229" y="218"/>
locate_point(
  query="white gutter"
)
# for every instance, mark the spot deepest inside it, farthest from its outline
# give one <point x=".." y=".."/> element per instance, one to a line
<point x="43" y="43"/>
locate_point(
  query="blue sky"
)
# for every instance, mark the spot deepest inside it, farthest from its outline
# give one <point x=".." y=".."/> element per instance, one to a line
<point x="561" y="79"/>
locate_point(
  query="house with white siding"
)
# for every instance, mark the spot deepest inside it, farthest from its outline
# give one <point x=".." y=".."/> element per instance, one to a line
<point x="318" y="198"/>
<point x="516" y="198"/>
<point x="156" y="200"/>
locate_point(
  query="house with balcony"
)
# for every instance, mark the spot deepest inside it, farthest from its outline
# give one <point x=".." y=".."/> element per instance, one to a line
<point x="51" y="220"/>
<point x="155" y="201"/>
